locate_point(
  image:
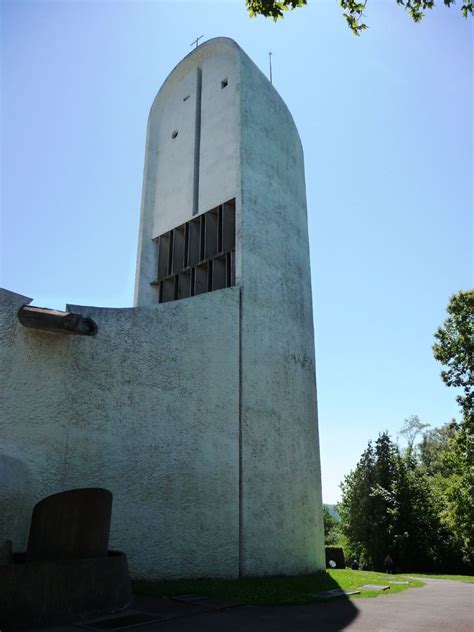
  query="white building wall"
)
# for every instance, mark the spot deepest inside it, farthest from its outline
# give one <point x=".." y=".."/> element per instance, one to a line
<point x="199" y="415"/>
<point x="219" y="173"/>
<point x="174" y="168"/>
<point x="281" y="505"/>
<point x="250" y="150"/>
<point x="149" y="409"/>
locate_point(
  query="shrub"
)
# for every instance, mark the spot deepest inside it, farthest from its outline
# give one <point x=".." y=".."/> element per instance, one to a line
<point x="335" y="553"/>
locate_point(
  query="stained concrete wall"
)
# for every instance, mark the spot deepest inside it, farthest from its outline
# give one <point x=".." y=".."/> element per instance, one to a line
<point x="148" y="408"/>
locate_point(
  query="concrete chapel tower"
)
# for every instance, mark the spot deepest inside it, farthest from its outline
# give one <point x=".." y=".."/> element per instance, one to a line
<point x="197" y="407"/>
<point x="224" y="208"/>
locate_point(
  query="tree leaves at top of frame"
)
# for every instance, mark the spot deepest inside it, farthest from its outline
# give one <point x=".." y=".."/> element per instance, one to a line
<point x="352" y="10"/>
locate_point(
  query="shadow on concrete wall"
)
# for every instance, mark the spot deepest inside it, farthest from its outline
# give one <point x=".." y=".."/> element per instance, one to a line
<point x="16" y="500"/>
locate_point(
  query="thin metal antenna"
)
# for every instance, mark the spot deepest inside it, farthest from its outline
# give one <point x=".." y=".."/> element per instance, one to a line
<point x="196" y="41"/>
<point x="270" y="58"/>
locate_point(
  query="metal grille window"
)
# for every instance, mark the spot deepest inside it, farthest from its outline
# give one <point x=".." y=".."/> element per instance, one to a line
<point x="198" y="256"/>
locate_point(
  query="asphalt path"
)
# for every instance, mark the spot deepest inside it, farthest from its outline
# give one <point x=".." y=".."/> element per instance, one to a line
<point x="439" y="606"/>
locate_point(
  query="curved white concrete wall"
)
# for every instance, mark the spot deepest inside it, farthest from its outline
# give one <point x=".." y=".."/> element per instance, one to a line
<point x="281" y="517"/>
<point x="199" y="415"/>
<point x="138" y="409"/>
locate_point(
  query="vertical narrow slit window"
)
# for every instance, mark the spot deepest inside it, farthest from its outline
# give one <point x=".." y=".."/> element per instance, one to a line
<point x="211" y="234"/>
<point x="210" y="270"/>
<point x="163" y="255"/>
<point x="232" y="268"/>
<point x="228" y="269"/>
<point x="228" y="226"/>
<point x="170" y="252"/>
<point x="219" y="228"/>
<point x="178" y="249"/>
<point x="194" y="242"/>
<point x="193" y="280"/>
<point x="202" y="237"/>
<point x="219" y="280"/>
<point x="186" y="244"/>
<point x="184" y="284"/>
<point x="201" y="279"/>
<point x="169" y="287"/>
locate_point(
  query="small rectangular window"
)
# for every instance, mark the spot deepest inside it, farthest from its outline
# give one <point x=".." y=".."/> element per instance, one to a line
<point x="194" y="239"/>
<point x="163" y="255"/>
<point x="169" y="289"/>
<point x="228" y="226"/>
<point x="210" y="244"/>
<point x="184" y="284"/>
<point x="201" y="279"/>
<point x="219" y="280"/>
<point x="178" y="249"/>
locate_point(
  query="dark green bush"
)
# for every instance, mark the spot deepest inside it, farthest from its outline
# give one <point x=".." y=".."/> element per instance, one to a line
<point x="335" y="553"/>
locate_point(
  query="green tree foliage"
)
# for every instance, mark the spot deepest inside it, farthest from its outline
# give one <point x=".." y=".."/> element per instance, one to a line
<point x="458" y="488"/>
<point x="419" y="505"/>
<point x="444" y="456"/>
<point x="433" y="448"/>
<point x="455" y="350"/>
<point x="352" y="10"/>
<point x="387" y="507"/>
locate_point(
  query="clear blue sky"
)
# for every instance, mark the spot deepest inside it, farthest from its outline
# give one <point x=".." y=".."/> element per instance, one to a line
<point x="386" y="125"/>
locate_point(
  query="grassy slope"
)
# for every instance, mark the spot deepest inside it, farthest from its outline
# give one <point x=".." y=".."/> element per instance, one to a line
<point x="459" y="578"/>
<point x="273" y="590"/>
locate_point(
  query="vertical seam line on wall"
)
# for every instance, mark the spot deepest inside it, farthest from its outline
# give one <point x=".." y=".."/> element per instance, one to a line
<point x="197" y="141"/>
<point x="240" y="436"/>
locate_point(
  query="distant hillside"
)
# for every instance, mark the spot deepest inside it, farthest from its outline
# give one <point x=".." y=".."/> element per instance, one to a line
<point x="333" y="511"/>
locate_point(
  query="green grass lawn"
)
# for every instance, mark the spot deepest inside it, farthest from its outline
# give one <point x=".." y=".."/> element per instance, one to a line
<point x="274" y="590"/>
<point x="458" y="578"/>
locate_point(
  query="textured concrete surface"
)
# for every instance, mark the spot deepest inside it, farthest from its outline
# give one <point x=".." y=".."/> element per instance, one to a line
<point x="148" y="409"/>
<point x="281" y="528"/>
<point x="199" y="415"/>
<point x="440" y="606"/>
<point x="281" y="501"/>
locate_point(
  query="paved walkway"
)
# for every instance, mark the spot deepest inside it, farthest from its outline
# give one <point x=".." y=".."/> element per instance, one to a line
<point x="440" y="606"/>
